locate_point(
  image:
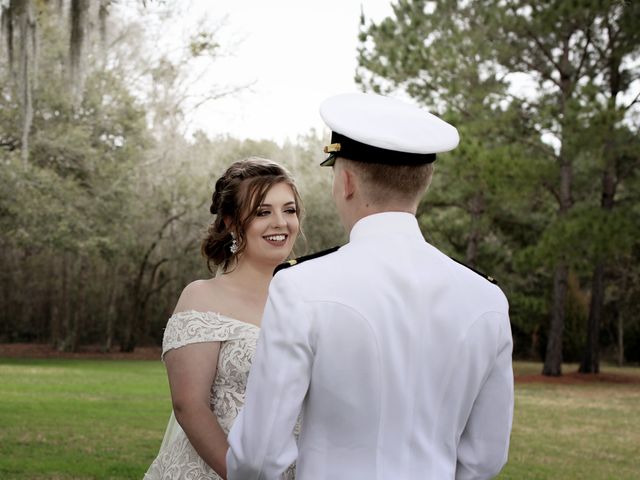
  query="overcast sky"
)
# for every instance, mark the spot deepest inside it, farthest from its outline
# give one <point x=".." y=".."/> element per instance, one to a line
<point x="297" y="52"/>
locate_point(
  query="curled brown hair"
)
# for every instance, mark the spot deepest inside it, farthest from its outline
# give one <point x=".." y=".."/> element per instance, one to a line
<point x="236" y="197"/>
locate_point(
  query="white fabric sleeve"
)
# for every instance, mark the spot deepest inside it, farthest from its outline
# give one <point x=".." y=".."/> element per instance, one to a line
<point x="484" y="443"/>
<point x="261" y="442"/>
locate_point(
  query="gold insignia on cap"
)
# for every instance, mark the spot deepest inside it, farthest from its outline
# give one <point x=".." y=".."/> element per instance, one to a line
<point x="334" y="147"/>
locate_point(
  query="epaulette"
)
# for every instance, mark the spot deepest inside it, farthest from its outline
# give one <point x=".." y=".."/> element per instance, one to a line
<point x="296" y="261"/>
<point x="486" y="277"/>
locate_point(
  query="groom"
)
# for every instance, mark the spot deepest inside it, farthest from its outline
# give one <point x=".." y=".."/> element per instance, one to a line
<point x="398" y="357"/>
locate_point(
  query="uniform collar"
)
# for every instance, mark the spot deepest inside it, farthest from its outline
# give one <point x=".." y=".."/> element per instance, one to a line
<point x="385" y="224"/>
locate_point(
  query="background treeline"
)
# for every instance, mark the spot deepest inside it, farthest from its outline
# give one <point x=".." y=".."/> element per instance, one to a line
<point x="104" y="197"/>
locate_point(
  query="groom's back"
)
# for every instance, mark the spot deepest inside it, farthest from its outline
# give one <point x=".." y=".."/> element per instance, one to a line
<point x="404" y="338"/>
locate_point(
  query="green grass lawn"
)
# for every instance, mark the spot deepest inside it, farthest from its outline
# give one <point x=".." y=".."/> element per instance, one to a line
<point x="80" y="419"/>
<point x="575" y="432"/>
<point x="93" y="419"/>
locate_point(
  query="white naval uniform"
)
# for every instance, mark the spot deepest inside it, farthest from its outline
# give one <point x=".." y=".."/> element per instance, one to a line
<point x="398" y="357"/>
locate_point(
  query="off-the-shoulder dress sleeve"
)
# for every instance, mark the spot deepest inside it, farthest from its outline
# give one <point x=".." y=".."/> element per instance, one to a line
<point x="177" y="459"/>
<point x="190" y="326"/>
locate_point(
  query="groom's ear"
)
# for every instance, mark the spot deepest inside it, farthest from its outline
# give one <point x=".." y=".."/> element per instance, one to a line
<point x="349" y="182"/>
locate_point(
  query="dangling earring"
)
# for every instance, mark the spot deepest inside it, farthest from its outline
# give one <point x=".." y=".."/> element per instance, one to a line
<point x="234" y="244"/>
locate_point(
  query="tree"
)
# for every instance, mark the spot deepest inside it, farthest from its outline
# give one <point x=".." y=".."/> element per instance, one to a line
<point x="20" y="14"/>
<point x="461" y="58"/>
<point x="483" y="205"/>
<point x="615" y="41"/>
<point x="93" y="204"/>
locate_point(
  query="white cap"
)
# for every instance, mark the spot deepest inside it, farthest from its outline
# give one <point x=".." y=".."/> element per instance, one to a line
<point x="378" y="129"/>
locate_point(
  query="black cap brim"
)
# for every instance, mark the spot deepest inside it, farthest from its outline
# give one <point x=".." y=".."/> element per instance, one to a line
<point x="349" y="148"/>
<point x="330" y="160"/>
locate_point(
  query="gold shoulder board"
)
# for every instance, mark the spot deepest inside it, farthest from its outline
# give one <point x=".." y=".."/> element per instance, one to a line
<point x="299" y="260"/>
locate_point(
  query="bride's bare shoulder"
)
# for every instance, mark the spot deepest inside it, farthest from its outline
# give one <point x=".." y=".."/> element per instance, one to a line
<point x="200" y="295"/>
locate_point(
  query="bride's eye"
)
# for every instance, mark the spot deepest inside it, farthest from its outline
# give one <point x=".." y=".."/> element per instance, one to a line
<point x="262" y="213"/>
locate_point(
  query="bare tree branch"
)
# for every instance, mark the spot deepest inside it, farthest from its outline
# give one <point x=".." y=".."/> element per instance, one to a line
<point x="633" y="102"/>
<point x="585" y="52"/>
<point x="554" y="192"/>
<point x="157" y="289"/>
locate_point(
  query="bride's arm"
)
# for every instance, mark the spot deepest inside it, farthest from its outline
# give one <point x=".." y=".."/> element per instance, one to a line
<point x="191" y="370"/>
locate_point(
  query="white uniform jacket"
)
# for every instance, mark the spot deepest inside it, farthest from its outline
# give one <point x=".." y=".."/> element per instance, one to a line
<point x="398" y="357"/>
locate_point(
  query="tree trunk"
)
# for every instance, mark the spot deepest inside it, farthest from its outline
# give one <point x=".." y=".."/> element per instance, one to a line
<point x="8" y="18"/>
<point x="128" y="342"/>
<point x="80" y="309"/>
<point x="57" y="300"/>
<point x="6" y="298"/>
<point x="127" y="328"/>
<point x="27" y="49"/>
<point x="111" y="313"/>
<point x="590" y="360"/>
<point x="65" y="302"/>
<point x="620" y="340"/>
<point x="591" y="357"/>
<point x="476" y="210"/>
<point x="103" y="15"/>
<point x="553" y="357"/>
<point x="533" y="348"/>
<point x="79" y="22"/>
<point x="26" y="297"/>
<point x="624" y="288"/>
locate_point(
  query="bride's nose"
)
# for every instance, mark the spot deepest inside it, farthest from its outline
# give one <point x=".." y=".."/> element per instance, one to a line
<point x="278" y="220"/>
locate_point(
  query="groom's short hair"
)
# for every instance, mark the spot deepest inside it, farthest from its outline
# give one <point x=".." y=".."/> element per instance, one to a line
<point x="383" y="183"/>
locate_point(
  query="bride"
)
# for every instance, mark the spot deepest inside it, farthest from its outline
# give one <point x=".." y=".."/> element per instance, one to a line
<point x="210" y="339"/>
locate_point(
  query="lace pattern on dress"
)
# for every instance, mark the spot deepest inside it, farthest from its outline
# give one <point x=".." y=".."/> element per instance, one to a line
<point x="190" y="326"/>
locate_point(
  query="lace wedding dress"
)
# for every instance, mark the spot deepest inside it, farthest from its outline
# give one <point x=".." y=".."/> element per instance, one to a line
<point x="177" y="459"/>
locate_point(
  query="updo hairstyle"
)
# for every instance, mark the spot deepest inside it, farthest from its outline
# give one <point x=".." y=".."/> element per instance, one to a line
<point x="237" y="196"/>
